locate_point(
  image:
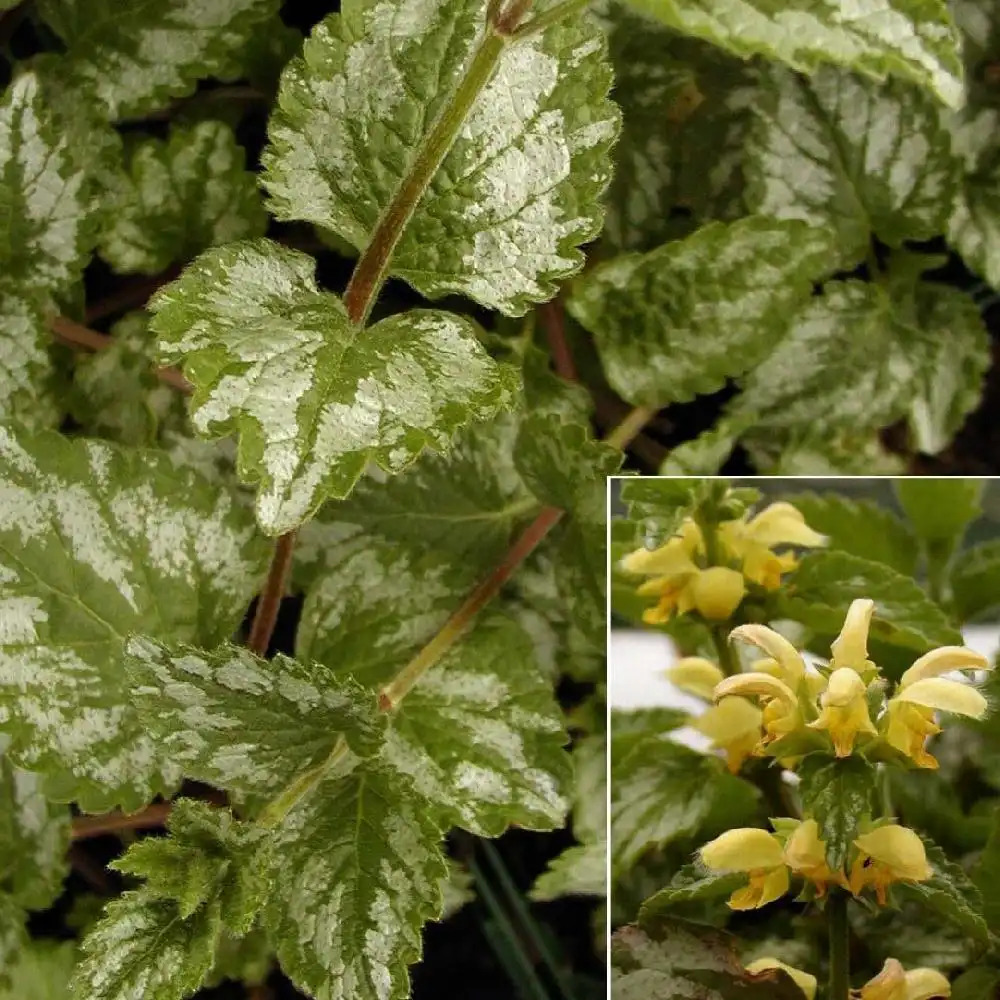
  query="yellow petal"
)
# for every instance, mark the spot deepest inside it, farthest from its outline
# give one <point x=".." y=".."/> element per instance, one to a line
<point x="761" y="685"/>
<point x="889" y="984"/>
<point x="922" y="984"/>
<point x="804" y="981"/>
<point x="668" y="560"/>
<point x="783" y="524"/>
<point x="776" y="646"/>
<point x="696" y="675"/>
<point x="850" y="648"/>
<point x="942" y="661"/>
<point x="899" y="849"/>
<point x="743" y="850"/>
<point x="843" y="688"/>
<point x="729" y="720"/>
<point x="945" y="696"/>
<point x="804" y="850"/>
<point x="717" y="592"/>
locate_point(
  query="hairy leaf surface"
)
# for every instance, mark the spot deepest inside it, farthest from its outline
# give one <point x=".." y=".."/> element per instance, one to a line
<point x="95" y="543"/>
<point x="313" y="399"/>
<point x="515" y="194"/>
<point x="682" y="319"/>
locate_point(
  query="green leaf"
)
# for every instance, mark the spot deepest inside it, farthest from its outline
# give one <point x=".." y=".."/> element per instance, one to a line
<point x="685" y="116"/>
<point x="48" y="222"/>
<point x="799" y="451"/>
<point x="662" y="791"/>
<point x="465" y="504"/>
<point x="949" y="893"/>
<point x="515" y="193"/>
<point x="909" y="38"/>
<point x="581" y="870"/>
<point x="97" y="542"/>
<point x="705" y="454"/>
<point x="34" y="839"/>
<point x="174" y="199"/>
<point x="313" y="399"/>
<point x="838" y="794"/>
<point x="590" y="789"/>
<point x="116" y="392"/>
<point x="357" y="872"/>
<point x="985" y="875"/>
<point x="861" y="528"/>
<point x="636" y="725"/>
<point x="40" y="971"/>
<point x="209" y="858"/>
<point x="692" y="884"/>
<point x="481" y="735"/>
<point x="864" y="359"/>
<point x="659" y="506"/>
<point x="978" y="983"/>
<point x="144" y="947"/>
<point x="907" y="623"/>
<point x="666" y="959"/>
<point x="136" y="59"/>
<point x="940" y="510"/>
<point x="246" y="959"/>
<point x="245" y="724"/>
<point x="457" y="889"/>
<point x="975" y="581"/>
<point x="842" y="151"/>
<point x="682" y="319"/>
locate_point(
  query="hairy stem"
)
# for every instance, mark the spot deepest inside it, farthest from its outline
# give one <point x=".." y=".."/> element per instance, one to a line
<point x="621" y="436"/>
<point x="836" y="915"/>
<point x="554" y="324"/>
<point x="727" y="659"/>
<point x="266" y="616"/>
<point x="373" y="265"/>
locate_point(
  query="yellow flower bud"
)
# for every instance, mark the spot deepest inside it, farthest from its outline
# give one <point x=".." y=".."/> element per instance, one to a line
<point x="734" y="725"/>
<point x="804" y="981"/>
<point x="850" y="648"/>
<point x="805" y="854"/>
<point x="717" y="592"/>
<point x="776" y="646"/>
<point x="893" y="983"/>
<point x="695" y="675"/>
<point x="943" y="661"/>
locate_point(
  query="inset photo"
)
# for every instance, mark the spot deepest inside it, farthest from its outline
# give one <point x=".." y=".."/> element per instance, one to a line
<point x="805" y="759"/>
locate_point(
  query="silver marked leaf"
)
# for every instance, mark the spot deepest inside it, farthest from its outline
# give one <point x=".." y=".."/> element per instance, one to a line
<point x="47" y="230"/>
<point x="515" y="194"/>
<point x="97" y="542"/>
<point x="357" y="873"/>
<point x="859" y="357"/>
<point x="481" y="735"/>
<point x="135" y="58"/>
<point x="13" y="939"/>
<point x="685" y="117"/>
<point x="173" y="199"/>
<point x="245" y="724"/>
<point x="682" y="319"/>
<point x="844" y="151"/>
<point x="913" y="39"/>
<point x="314" y="399"/>
<point x="39" y="971"/>
<point x="34" y="839"/>
<point x="581" y="870"/>
<point x="457" y="889"/>
<point x="465" y="504"/>
<point x="144" y="947"/>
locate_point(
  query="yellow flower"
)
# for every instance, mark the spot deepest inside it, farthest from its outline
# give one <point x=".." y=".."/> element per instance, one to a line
<point x="752" y="541"/>
<point x="909" y="719"/>
<point x="672" y="570"/>
<point x="804" y="981"/>
<point x="760" y="855"/>
<point x="696" y="675"/>
<point x="781" y="711"/>
<point x="734" y="726"/>
<point x="805" y="854"/>
<point x="850" y="648"/>
<point x="893" y="983"/>
<point x="888" y="854"/>
<point x="717" y="592"/>
<point x="844" y="710"/>
<point x="790" y="667"/>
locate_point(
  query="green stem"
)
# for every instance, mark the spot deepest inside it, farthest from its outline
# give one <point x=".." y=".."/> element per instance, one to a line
<point x="836" y="915"/>
<point x="541" y="21"/>
<point x="373" y="265"/>
<point x="938" y="560"/>
<point x="724" y="652"/>
<point x="633" y="423"/>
